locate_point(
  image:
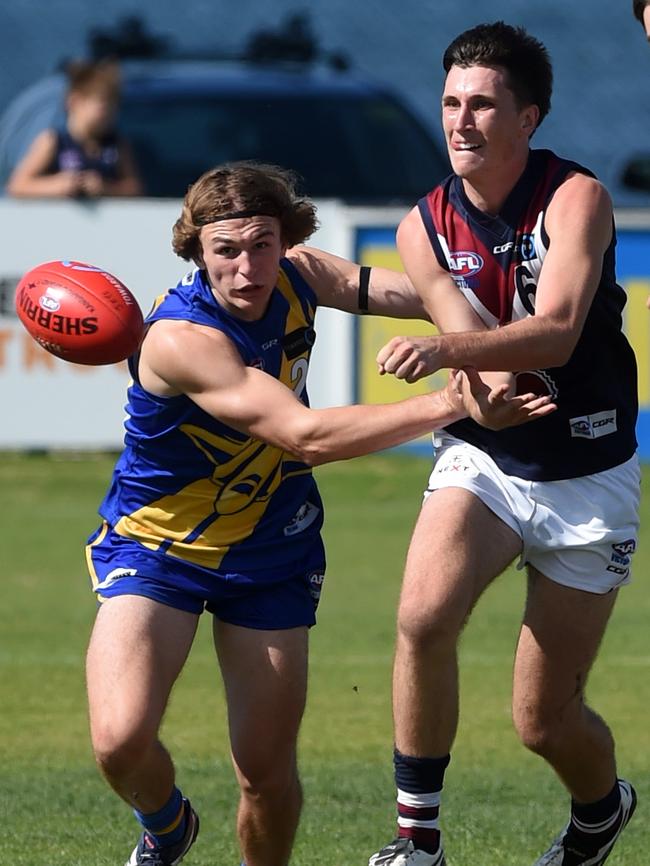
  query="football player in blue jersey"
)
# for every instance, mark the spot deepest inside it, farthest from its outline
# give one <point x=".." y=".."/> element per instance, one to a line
<point x="641" y="9"/>
<point x="213" y="504"/>
<point x="513" y="256"/>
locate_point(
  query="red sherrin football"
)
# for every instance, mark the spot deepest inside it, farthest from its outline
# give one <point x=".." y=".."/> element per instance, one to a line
<point x="79" y="312"/>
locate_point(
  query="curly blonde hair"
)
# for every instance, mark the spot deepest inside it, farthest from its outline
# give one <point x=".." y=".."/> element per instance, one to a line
<point x="241" y="189"/>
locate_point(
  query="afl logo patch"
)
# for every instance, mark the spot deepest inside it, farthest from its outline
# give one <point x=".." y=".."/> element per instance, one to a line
<point x="464" y="263"/>
<point x="49" y="303"/>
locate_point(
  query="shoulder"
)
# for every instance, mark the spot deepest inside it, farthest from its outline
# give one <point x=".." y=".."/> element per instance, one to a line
<point x="412" y="225"/>
<point x="578" y="183"/>
<point x="47" y="141"/>
<point x="300" y="271"/>
<point x="49" y="135"/>
<point x="307" y="261"/>
<point x="580" y="196"/>
<point x="569" y="179"/>
<point x="317" y="271"/>
<point x="414" y="237"/>
<point x="180" y="353"/>
<point x="432" y="212"/>
<point x="179" y="337"/>
<point x="580" y="216"/>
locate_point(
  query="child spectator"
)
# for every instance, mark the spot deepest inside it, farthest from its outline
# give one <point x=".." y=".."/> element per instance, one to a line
<point x="87" y="158"/>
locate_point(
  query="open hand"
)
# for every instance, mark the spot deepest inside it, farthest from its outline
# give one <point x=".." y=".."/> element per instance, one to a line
<point x="493" y="407"/>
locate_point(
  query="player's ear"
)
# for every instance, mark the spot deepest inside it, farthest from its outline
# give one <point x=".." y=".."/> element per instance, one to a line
<point x="530" y="119"/>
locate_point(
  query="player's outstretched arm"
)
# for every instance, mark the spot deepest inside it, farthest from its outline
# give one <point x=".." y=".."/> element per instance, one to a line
<point x="179" y="357"/>
<point x="201" y="362"/>
<point x="338" y="283"/>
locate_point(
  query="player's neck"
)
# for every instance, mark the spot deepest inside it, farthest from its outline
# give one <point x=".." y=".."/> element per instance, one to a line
<point x="488" y="191"/>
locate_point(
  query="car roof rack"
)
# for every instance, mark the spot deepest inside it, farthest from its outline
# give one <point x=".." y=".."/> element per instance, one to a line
<point x="293" y="42"/>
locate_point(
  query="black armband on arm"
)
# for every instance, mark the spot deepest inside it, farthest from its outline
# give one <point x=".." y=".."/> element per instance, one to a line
<point x="364" y="282"/>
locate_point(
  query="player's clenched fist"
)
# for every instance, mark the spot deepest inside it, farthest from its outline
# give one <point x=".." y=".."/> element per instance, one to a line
<point x="410" y="358"/>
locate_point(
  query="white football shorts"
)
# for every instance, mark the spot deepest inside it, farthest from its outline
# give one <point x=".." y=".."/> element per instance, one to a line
<point x="579" y="532"/>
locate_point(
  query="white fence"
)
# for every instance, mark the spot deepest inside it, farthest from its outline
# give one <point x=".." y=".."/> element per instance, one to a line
<point x="48" y="403"/>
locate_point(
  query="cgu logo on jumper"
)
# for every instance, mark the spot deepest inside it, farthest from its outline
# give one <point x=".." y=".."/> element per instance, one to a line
<point x="464" y="263"/>
<point x="593" y="426"/>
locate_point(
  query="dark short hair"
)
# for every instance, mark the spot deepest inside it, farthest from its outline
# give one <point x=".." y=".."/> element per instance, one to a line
<point x="638" y="7"/>
<point x="524" y="58"/>
<point x="243" y="189"/>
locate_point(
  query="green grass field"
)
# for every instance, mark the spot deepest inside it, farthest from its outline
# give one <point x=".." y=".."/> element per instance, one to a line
<point x="501" y="805"/>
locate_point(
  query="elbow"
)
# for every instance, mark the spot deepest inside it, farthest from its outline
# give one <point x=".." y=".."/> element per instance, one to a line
<point x="560" y="355"/>
<point x="14" y="189"/>
<point x="558" y="347"/>
<point x="552" y="358"/>
<point x="307" y="442"/>
<point x="317" y="457"/>
<point x="312" y="458"/>
<point x="309" y="452"/>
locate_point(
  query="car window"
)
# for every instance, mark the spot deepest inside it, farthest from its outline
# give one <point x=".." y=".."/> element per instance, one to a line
<point x="365" y="149"/>
<point x="636" y="175"/>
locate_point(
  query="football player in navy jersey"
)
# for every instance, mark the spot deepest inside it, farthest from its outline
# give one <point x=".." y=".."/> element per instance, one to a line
<point x="513" y="256"/>
<point x="641" y="9"/>
<point x="213" y="505"/>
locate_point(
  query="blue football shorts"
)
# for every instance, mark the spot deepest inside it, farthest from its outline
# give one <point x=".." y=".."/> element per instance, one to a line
<point x="261" y="600"/>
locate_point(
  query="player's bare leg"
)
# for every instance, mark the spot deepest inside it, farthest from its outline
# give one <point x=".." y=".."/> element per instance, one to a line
<point x="137" y="649"/>
<point x="559" y="639"/>
<point x="265" y="676"/>
<point x="458" y="547"/>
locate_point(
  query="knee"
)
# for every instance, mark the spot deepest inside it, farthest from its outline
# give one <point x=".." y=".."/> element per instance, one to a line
<point x="434" y="624"/>
<point x="268" y="781"/>
<point x="119" y="752"/>
<point x="535" y="736"/>
<point x="539" y="730"/>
